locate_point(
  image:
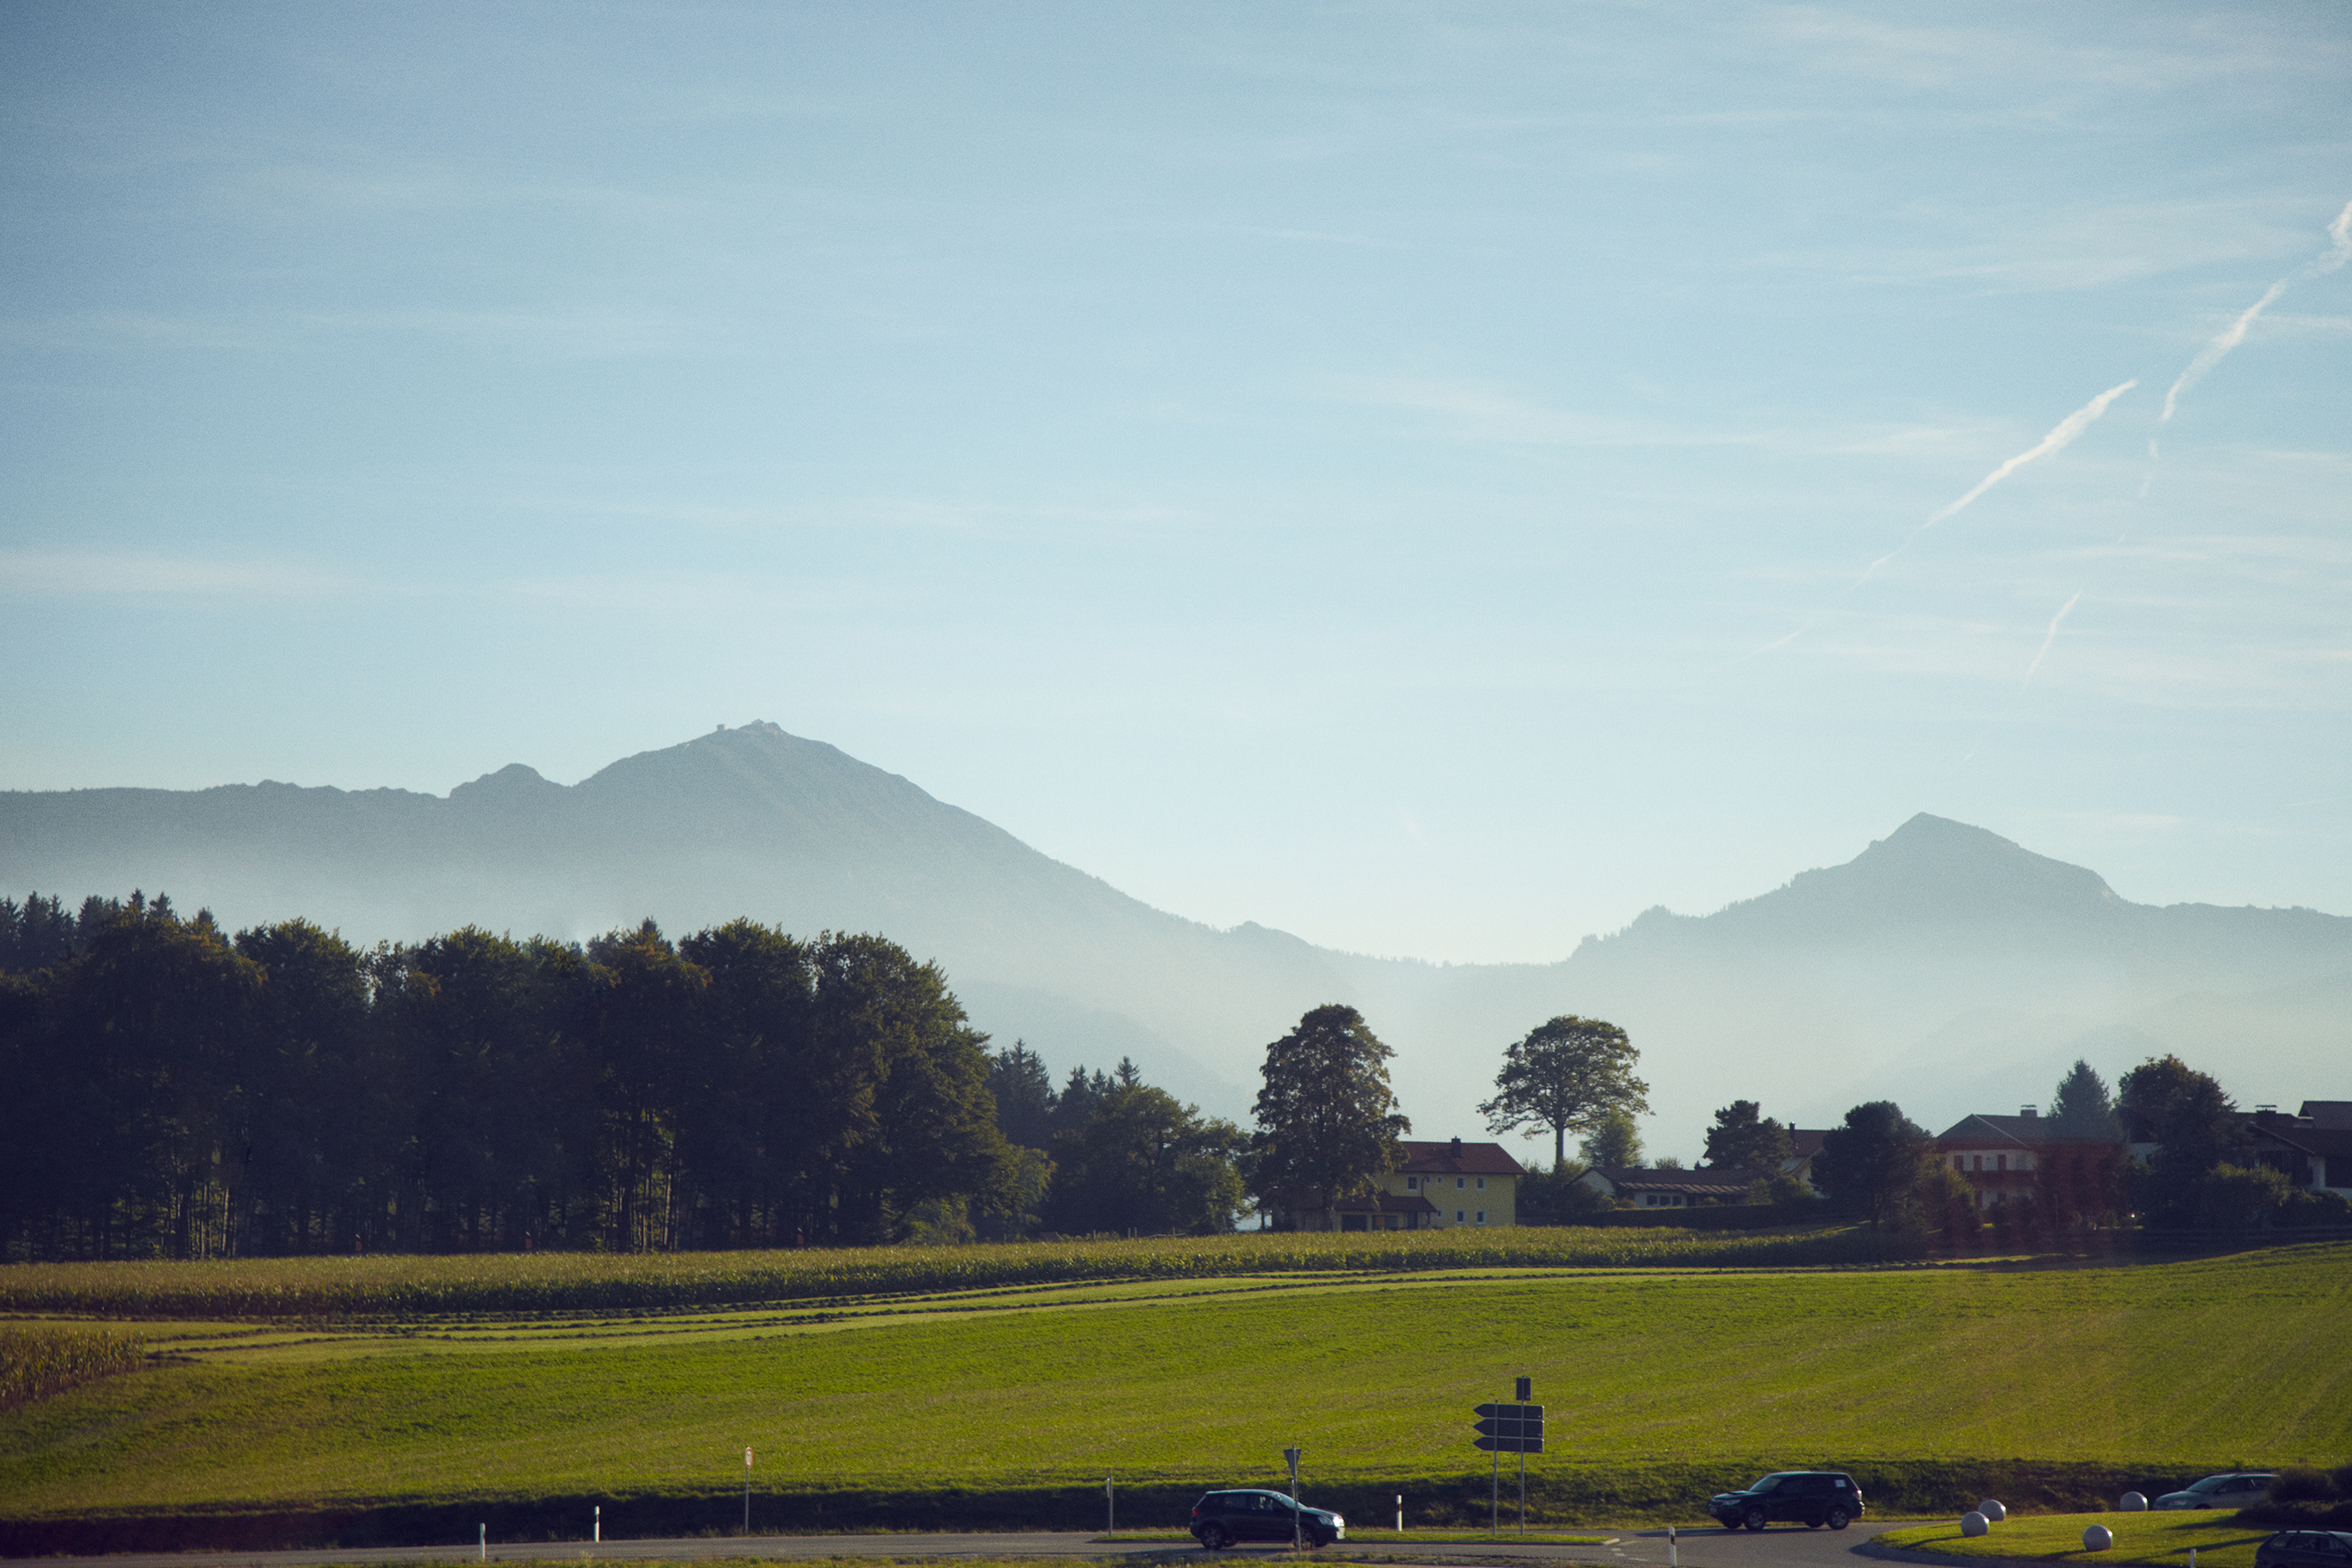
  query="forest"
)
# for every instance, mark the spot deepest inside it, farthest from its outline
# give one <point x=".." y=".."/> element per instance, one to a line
<point x="174" y="1090"/>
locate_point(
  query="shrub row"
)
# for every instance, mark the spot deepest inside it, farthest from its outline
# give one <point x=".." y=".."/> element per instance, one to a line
<point x="404" y="1287"/>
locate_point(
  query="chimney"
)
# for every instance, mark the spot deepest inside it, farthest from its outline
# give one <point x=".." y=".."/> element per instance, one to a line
<point x="1457" y="1148"/>
<point x="2028" y="1111"/>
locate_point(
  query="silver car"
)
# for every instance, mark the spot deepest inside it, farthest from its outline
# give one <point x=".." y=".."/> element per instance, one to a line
<point x="2236" y="1488"/>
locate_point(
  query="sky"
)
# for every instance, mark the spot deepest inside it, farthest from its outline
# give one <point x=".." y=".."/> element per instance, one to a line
<point x="1436" y="478"/>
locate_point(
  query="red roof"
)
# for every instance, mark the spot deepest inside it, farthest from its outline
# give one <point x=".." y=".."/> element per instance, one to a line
<point x="1455" y="1158"/>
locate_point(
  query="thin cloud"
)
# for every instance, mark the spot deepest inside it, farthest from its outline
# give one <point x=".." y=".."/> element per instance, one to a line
<point x="2338" y="251"/>
<point x="2061" y="436"/>
<point x="2047" y="638"/>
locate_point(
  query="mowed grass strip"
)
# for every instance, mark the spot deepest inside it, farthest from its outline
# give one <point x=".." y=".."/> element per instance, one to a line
<point x="2151" y="1537"/>
<point x="406" y="1287"/>
<point x="2188" y="1362"/>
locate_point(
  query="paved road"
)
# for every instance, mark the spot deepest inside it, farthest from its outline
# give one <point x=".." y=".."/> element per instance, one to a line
<point x="1778" y="1548"/>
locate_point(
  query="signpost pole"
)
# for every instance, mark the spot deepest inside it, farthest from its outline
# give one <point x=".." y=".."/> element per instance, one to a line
<point x="747" y="1490"/>
<point x="1527" y="1390"/>
<point x="1292" y="1456"/>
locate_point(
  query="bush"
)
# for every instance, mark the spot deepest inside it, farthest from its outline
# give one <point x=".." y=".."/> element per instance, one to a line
<point x="2302" y="1485"/>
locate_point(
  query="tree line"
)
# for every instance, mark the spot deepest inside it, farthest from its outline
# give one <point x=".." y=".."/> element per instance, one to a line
<point x="176" y="1091"/>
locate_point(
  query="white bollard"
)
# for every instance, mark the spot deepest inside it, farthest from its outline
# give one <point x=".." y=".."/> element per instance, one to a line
<point x="485" y="1542"/>
<point x="1673" y="1553"/>
<point x="600" y="1523"/>
<point x="2098" y="1538"/>
<point x="1974" y="1523"/>
<point x="1992" y="1510"/>
<point x="2135" y="1502"/>
<point x="1400" y="1513"/>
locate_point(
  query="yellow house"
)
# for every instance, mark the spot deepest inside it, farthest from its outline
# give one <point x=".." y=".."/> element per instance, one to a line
<point x="1461" y="1184"/>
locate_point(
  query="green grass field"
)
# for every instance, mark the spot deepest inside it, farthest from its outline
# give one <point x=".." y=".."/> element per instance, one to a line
<point x="1184" y="1382"/>
<point x="2163" y="1539"/>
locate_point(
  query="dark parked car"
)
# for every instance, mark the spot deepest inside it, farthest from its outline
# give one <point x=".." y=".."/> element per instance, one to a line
<point x="1220" y="1519"/>
<point x="2305" y="1549"/>
<point x="1810" y="1498"/>
<point x="2231" y="1488"/>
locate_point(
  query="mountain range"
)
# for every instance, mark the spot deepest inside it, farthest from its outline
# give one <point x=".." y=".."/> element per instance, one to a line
<point x="1943" y="967"/>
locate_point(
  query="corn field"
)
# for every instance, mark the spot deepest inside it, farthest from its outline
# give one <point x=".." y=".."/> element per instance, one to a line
<point x="407" y="1287"/>
<point x="39" y="1362"/>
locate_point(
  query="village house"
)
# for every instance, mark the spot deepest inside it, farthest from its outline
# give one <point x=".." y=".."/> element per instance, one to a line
<point x="1436" y="1186"/>
<point x="1643" y="1188"/>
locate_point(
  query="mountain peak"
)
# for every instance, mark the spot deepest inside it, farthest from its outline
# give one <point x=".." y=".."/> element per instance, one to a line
<point x="515" y="781"/>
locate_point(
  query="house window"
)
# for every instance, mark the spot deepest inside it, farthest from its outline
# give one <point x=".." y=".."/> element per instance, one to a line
<point x="1459" y="1183"/>
<point x="1481" y="1217"/>
<point x="1457" y="1217"/>
<point x="1413" y="1184"/>
<point x="1980" y="1162"/>
<point x="1482" y="1184"/>
<point x="2001" y="1162"/>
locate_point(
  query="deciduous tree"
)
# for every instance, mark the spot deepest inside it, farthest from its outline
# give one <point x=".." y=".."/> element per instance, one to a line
<point x="1327" y="1121"/>
<point x="1568" y="1074"/>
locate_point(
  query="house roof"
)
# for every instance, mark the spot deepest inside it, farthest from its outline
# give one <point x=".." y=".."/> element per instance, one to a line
<point x="1702" y="1181"/>
<point x="1804" y="1142"/>
<point x="2310" y="1136"/>
<point x="2005" y="1133"/>
<point x="1455" y="1158"/>
<point x="2329" y="1113"/>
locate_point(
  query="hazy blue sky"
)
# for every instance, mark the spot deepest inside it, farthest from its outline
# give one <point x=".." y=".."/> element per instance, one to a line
<point x="1406" y="474"/>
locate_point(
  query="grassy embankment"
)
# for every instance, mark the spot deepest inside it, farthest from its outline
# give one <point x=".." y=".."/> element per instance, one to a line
<point x="2164" y="1539"/>
<point x="1008" y="1400"/>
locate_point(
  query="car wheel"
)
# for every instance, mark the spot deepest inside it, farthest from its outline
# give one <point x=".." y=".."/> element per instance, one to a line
<point x="1213" y="1537"/>
<point x="1755" y="1519"/>
<point x="1839" y="1519"/>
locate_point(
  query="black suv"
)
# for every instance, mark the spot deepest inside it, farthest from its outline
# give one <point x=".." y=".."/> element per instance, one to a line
<point x="1812" y="1498"/>
<point x="1220" y="1519"/>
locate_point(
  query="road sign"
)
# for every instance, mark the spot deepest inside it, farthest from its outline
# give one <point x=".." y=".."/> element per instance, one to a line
<point x="1510" y="1429"/>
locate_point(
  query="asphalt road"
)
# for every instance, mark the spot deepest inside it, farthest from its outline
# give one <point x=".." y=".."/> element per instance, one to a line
<point x="1781" y="1547"/>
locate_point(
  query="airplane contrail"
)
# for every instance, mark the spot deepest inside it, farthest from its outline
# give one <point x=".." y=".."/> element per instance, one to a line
<point x="2047" y="638"/>
<point x="2064" y="432"/>
<point x="2338" y="251"/>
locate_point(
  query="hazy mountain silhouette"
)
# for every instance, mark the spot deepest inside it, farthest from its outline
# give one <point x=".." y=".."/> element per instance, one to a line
<point x="1942" y="966"/>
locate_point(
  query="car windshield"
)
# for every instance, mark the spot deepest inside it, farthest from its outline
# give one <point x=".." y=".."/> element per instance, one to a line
<point x="2213" y="1483"/>
<point x="1765" y="1483"/>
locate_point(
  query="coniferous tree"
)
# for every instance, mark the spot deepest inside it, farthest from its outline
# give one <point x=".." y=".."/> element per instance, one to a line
<point x="2080" y="1107"/>
<point x="1025" y="1097"/>
<point x="1742" y="1138"/>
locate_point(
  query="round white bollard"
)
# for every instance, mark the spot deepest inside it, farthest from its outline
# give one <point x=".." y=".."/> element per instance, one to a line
<point x="2098" y="1538"/>
<point x="1973" y="1523"/>
<point x="2135" y="1502"/>
<point x="1992" y="1510"/>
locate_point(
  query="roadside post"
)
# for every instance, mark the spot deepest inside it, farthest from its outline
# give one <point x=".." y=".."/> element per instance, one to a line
<point x="599" y="1536"/>
<point x="484" y="1542"/>
<point x="1290" y="1456"/>
<point x="1673" y="1553"/>
<point x="1110" y="1509"/>
<point x="746" y="1488"/>
<point x="1509" y="1429"/>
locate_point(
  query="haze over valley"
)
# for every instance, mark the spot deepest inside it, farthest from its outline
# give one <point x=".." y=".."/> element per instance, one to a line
<point x="1942" y="966"/>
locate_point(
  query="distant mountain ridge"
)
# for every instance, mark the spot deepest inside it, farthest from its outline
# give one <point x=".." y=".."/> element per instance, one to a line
<point x="1805" y="996"/>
